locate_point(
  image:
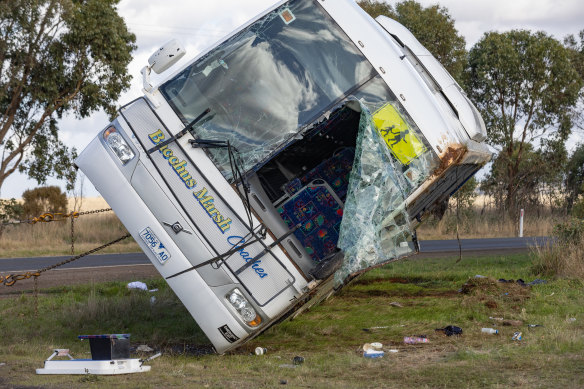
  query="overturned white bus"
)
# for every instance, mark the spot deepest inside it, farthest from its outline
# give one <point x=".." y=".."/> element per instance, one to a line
<point x="295" y="154"/>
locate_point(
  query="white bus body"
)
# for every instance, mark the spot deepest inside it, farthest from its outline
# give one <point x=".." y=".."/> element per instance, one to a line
<point x="240" y="175"/>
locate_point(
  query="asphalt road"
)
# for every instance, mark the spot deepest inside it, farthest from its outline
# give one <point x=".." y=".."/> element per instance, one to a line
<point x="428" y="248"/>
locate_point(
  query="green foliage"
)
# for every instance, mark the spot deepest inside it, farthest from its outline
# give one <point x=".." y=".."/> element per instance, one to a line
<point x="525" y="85"/>
<point x="432" y="26"/>
<point x="578" y="209"/>
<point x="570" y="232"/>
<point x="56" y="57"/>
<point x="536" y="171"/>
<point x="45" y="199"/>
<point x="575" y="179"/>
<point x="576" y="48"/>
<point x="10" y="210"/>
<point x="465" y="196"/>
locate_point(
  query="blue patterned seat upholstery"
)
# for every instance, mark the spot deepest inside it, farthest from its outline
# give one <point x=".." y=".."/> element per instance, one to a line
<point x="319" y="213"/>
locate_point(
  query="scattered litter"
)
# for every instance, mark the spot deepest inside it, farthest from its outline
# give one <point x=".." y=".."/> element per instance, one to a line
<point x="496" y="318"/>
<point x="144" y="348"/>
<point x="110" y="354"/>
<point x="393" y="350"/>
<point x="2" y="364"/>
<point x="283" y="382"/>
<point x="550" y="295"/>
<point x="489" y="331"/>
<point x="479" y="276"/>
<point x="260" y="350"/>
<point x="297" y="360"/>
<point x="537" y="281"/>
<point x="516" y="336"/>
<point x="415" y="339"/>
<point x="140" y="285"/>
<point x="373" y="354"/>
<point x="137" y="285"/>
<point x="572" y="319"/>
<point x="450" y="330"/>
<point x="396" y="304"/>
<point x="375" y="346"/>
<point x="534" y="325"/>
<point x="374" y="328"/>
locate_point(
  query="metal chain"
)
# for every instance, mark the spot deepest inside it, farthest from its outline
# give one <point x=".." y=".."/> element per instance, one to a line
<point x="72" y="236"/>
<point x="11" y="279"/>
<point x="94" y="211"/>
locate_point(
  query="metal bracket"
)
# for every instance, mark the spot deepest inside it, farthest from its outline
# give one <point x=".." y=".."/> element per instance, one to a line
<point x="177" y="228"/>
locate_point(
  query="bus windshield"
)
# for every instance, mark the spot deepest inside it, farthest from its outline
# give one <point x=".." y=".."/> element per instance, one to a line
<point x="267" y="81"/>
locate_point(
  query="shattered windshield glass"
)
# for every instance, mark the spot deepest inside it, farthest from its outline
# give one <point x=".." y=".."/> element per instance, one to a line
<point x="267" y="81"/>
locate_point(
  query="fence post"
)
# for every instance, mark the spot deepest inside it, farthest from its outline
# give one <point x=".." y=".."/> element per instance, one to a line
<point x="521" y="224"/>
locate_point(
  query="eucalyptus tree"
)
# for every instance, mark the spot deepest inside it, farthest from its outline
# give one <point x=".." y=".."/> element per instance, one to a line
<point x="56" y="57"/>
<point x="525" y="84"/>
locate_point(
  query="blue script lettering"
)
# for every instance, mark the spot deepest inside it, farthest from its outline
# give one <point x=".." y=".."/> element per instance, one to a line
<point x="237" y="241"/>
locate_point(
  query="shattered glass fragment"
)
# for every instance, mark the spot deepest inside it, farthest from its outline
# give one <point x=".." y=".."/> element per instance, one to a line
<point x="375" y="227"/>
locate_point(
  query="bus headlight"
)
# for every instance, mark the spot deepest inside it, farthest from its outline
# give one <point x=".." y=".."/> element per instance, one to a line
<point x="244" y="308"/>
<point x="118" y="145"/>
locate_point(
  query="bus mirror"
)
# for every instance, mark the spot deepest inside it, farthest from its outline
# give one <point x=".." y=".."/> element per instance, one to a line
<point x="166" y="56"/>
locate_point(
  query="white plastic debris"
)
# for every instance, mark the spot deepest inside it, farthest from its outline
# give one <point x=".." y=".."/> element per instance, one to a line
<point x="144" y="348"/>
<point x="137" y="285"/>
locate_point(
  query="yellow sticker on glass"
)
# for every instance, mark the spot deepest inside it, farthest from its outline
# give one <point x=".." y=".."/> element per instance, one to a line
<point x="401" y="140"/>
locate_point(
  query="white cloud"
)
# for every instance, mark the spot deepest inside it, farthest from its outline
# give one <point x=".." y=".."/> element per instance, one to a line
<point x="199" y="24"/>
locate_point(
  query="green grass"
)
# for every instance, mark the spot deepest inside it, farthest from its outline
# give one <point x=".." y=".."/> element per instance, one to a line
<point x="329" y="336"/>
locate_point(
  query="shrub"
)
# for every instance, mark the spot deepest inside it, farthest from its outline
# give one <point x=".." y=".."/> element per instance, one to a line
<point x="570" y="232"/>
<point x="565" y="258"/>
<point x="44" y="199"/>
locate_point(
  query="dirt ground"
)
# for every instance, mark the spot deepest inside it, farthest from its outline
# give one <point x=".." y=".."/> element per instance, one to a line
<point x="81" y="276"/>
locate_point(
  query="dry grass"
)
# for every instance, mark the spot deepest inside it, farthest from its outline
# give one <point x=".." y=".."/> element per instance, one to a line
<point x="561" y="260"/>
<point x="94" y="230"/>
<point x="46" y="239"/>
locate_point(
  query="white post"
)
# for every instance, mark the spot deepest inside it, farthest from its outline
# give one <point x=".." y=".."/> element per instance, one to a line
<point x="521" y="224"/>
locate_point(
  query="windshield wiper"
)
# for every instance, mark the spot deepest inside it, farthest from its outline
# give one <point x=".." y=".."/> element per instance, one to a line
<point x="188" y="128"/>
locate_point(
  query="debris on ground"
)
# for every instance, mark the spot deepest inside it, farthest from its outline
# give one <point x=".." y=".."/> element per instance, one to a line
<point x="494" y="293"/>
<point x="373" y="354"/>
<point x="375" y="346"/>
<point x="450" y="330"/>
<point x="416" y="339"/>
<point x="517" y="336"/>
<point x="534" y="325"/>
<point x="396" y="304"/>
<point x="520" y="282"/>
<point x="298" y="360"/>
<point x="260" y="350"/>
<point x="144" y="348"/>
<point x="370" y="329"/>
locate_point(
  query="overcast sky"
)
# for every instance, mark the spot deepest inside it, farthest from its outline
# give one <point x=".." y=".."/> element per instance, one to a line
<point x="199" y="24"/>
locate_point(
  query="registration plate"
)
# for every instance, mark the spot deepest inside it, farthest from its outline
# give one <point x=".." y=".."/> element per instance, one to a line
<point x="155" y="245"/>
